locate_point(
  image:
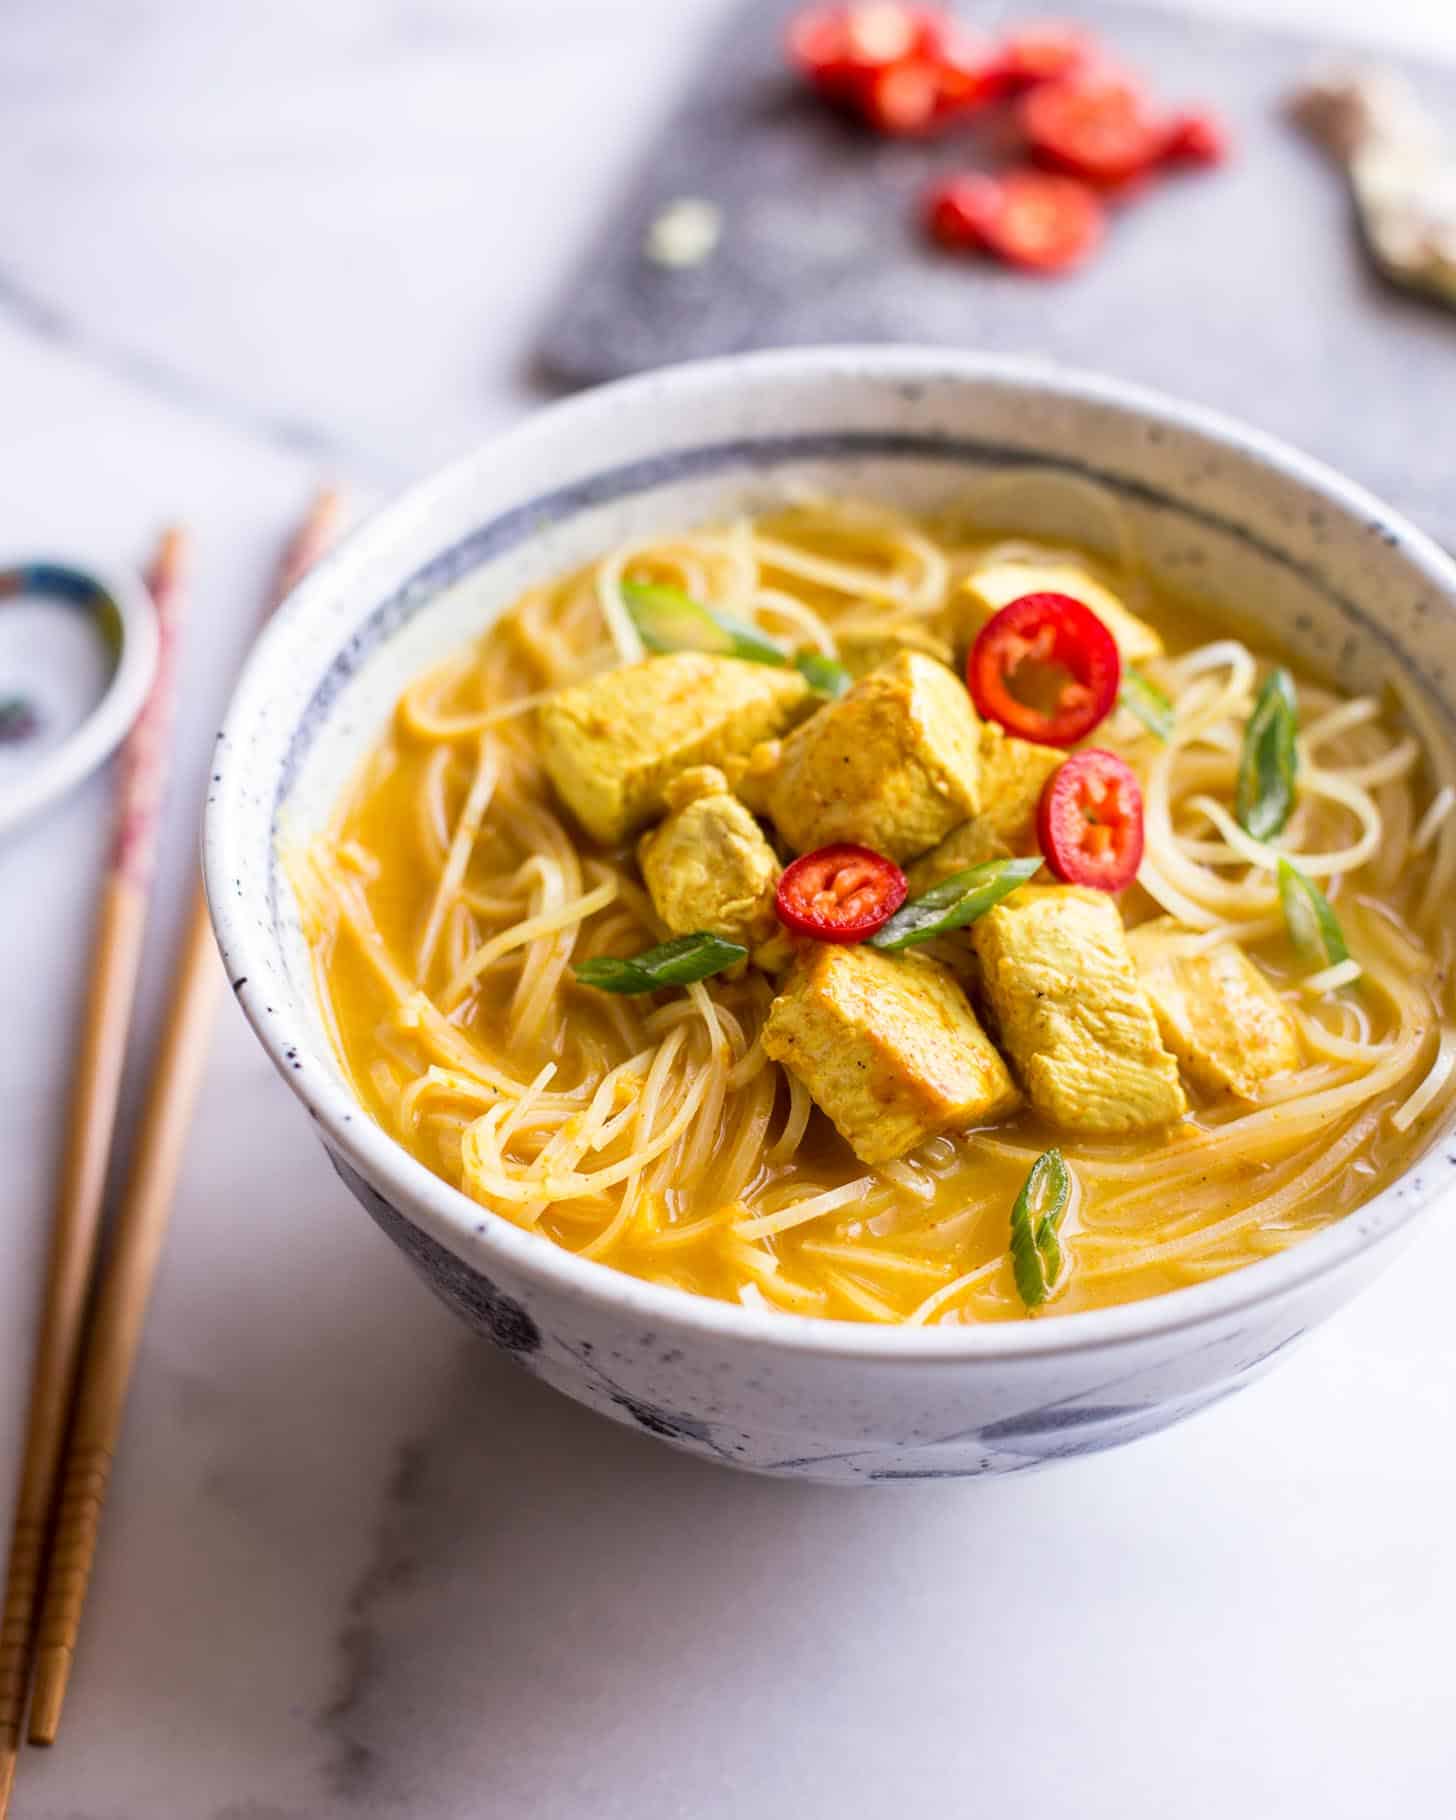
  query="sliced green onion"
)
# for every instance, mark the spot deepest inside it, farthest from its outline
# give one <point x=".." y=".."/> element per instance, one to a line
<point x="1313" y="926"/>
<point x="1036" y="1252"/>
<point x="676" y="963"/>
<point x="1264" y="797"/>
<point x="747" y="641"/>
<point x="823" y="675"/>
<point x="669" y="620"/>
<point x="953" y="903"/>
<point x="1148" y="702"/>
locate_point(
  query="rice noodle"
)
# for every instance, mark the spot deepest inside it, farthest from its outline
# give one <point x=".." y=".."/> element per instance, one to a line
<point x="1330" y="979"/>
<point x="1434" y="818"/>
<point x="1429" y="1090"/>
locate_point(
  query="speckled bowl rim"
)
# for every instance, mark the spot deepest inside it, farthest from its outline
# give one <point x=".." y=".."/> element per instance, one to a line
<point x="454" y="1220"/>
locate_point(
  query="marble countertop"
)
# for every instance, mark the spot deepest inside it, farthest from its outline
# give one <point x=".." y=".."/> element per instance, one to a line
<point x="352" y="1564"/>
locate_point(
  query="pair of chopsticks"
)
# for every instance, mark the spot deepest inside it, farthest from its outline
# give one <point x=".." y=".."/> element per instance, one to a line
<point x="82" y="1368"/>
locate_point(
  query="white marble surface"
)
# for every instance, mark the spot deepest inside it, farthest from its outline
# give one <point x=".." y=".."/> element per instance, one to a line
<point x="352" y="1563"/>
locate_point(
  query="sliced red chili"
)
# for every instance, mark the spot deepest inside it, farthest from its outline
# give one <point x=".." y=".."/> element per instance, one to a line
<point x="903" y="99"/>
<point x="1090" y="821"/>
<point x="965" y="65"/>
<point x="815" y="44"/>
<point x="958" y="208"/>
<point x="839" y="894"/>
<point x="1195" y="138"/>
<point x="1096" y="126"/>
<point x="1045" y="668"/>
<point x="880" y="32"/>
<point x="1043" y="223"/>
<point x="1043" y="51"/>
<point x="902" y="68"/>
<point x="839" y="47"/>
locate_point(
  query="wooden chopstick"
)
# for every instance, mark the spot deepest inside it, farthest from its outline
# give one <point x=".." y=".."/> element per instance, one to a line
<point x="145" y="761"/>
<point x="131" y="1259"/>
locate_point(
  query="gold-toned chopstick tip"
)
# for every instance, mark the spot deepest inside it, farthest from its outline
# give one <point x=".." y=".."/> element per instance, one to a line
<point x="170" y="562"/>
<point x="52" y="1676"/>
<point x="309" y="542"/>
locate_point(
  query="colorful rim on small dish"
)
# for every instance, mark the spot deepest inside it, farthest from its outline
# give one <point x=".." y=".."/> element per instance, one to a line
<point x="126" y="625"/>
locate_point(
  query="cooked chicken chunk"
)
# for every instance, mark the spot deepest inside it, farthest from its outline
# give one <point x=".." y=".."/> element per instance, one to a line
<point x="861" y="652"/>
<point x="708" y="866"/>
<point x="893" y="765"/>
<point x="1013" y="774"/>
<point x="1218" y="1014"/>
<point x="888" y="1047"/>
<point x="1071" y="1013"/>
<point x="612" y="744"/>
<point x="985" y="591"/>
<point x="750" y="774"/>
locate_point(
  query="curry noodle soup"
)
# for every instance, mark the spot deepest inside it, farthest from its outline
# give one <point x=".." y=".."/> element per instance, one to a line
<point x="1215" y="1058"/>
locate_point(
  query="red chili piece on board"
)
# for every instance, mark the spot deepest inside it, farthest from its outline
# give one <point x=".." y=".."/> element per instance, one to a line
<point x="965" y="65"/>
<point x="1097" y="127"/>
<point x="958" y="208"/>
<point x="1195" y="138"/>
<point x="903" y="99"/>
<point x="880" y="32"/>
<point x="1043" y="223"/>
<point x="815" y="45"/>
<point x="1043" y="51"/>
<point x="903" y="69"/>
<point x="1090" y="821"/>
<point x="1045" y="668"/>
<point x="839" y="894"/>
<point x="839" y="47"/>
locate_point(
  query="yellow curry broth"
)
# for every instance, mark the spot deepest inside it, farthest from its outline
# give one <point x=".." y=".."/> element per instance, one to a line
<point x="936" y="1222"/>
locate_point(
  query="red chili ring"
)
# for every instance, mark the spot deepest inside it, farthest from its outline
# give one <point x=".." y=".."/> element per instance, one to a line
<point x="904" y="69"/>
<point x="1195" y="138"/>
<point x="958" y="209"/>
<point x="902" y="99"/>
<point x="1052" y="632"/>
<point x="837" y="47"/>
<point x="1098" y="126"/>
<point x="839" y="894"/>
<point x="1042" y="52"/>
<point x="1090" y="821"/>
<point x="1043" y="222"/>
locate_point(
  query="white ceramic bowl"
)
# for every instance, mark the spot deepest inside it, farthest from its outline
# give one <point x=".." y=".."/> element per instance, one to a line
<point x="1347" y="585"/>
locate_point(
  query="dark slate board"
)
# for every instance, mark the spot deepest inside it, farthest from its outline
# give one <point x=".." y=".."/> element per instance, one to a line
<point x="1245" y="289"/>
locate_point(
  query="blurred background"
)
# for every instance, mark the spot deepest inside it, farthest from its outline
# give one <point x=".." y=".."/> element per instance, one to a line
<point x="352" y="1564"/>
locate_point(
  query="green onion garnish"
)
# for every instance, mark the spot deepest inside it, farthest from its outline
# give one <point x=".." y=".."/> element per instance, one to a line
<point x="747" y="641"/>
<point x="669" y="620"/>
<point x="1148" y="702"/>
<point x="1264" y="797"/>
<point x="676" y="963"/>
<point x="1313" y="926"/>
<point x="823" y="675"/>
<point x="1036" y="1252"/>
<point x="953" y="903"/>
